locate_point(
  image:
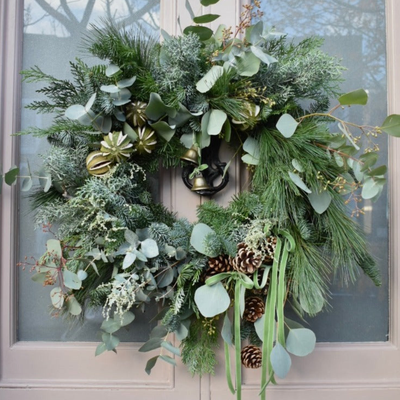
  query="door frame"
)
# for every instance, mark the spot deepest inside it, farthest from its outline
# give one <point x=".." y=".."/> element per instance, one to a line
<point x="357" y="370"/>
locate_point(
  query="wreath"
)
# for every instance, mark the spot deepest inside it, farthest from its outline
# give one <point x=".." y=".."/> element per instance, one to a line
<point x="236" y="270"/>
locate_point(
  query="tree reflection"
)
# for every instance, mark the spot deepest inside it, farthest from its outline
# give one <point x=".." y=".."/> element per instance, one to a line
<point x="362" y="19"/>
<point x="72" y="17"/>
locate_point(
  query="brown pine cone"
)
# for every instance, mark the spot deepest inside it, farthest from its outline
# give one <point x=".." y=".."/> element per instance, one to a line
<point x="254" y="309"/>
<point x="217" y="265"/>
<point x="270" y="248"/>
<point x="246" y="261"/>
<point x="251" y="356"/>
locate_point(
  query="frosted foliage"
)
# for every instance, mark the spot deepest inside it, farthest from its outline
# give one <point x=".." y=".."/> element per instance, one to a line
<point x="52" y="38"/>
<point x="353" y="30"/>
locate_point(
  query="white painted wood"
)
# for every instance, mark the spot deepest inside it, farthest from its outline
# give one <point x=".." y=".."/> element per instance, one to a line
<point x="44" y="371"/>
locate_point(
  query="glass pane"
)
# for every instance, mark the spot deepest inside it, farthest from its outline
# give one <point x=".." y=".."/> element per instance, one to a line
<point x="354" y="30"/>
<point x="52" y="34"/>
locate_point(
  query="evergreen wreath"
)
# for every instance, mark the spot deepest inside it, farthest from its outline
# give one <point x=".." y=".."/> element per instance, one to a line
<point x="234" y="271"/>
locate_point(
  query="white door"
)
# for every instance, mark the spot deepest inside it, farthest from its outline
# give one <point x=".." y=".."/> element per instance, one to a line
<point x="60" y="367"/>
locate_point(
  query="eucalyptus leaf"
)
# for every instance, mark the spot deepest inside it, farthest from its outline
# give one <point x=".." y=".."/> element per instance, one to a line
<point x="209" y="79"/>
<point x="110" y="341"/>
<point x="368" y="160"/>
<point x="359" y="96"/>
<point x="313" y="302"/>
<point x="320" y="201"/>
<point x="259" y="327"/>
<point x="247" y="64"/>
<point x="216" y="122"/>
<point x="165" y="278"/>
<point x="71" y="280"/>
<point x="150" y="364"/>
<point x="149" y="248"/>
<point x="378" y="171"/>
<point x="156" y="108"/>
<point x="75" y="111"/>
<point x="249" y="159"/>
<point x="26" y="184"/>
<point x="346" y="132"/>
<point x="170" y="347"/>
<point x="110" y="88"/>
<point x="280" y="360"/>
<point x="112" y="69"/>
<point x="262" y="55"/>
<point x="339" y="160"/>
<point x="124" y="83"/>
<point x="164" y="130"/>
<point x="299" y="182"/>
<point x="39" y="277"/>
<point x="201" y="31"/>
<point x="151" y="344"/>
<point x="82" y="275"/>
<point x="100" y="349"/>
<point x="226" y="331"/>
<point x="182" y="331"/>
<point x="254" y="33"/>
<point x="297" y="166"/>
<point x="208" y="2"/>
<point x="54" y="247"/>
<point x="301" y="342"/>
<point x="212" y="300"/>
<point x="370" y="188"/>
<point x="205" y="139"/>
<point x="129" y="259"/>
<point x="252" y="146"/>
<point x="131" y="237"/>
<point x="189" y="8"/>
<point x="187" y="140"/>
<point x="168" y="359"/>
<point x="287" y="125"/>
<point x="197" y="239"/>
<point x="110" y="325"/>
<point x="293" y="324"/>
<point x="102" y="123"/>
<point x="73" y="306"/>
<point x="391" y="125"/>
<point x="357" y="171"/>
<point x="206" y="18"/>
<point x="139" y="255"/>
<point x="10" y="177"/>
<point x="57" y="297"/>
<point x="159" y="331"/>
<point x="90" y="102"/>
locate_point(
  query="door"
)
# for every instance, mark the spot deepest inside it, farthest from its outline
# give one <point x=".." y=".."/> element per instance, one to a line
<point x="356" y="368"/>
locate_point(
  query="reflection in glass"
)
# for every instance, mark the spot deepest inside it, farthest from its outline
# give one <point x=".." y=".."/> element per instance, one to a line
<point x="52" y="38"/>
<point x="354" y="30"/>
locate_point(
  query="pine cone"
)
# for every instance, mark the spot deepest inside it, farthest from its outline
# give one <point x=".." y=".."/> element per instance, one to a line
<point x="251" y="356"/>
<point x="246" y="261"/>
<point x="254" y="309"/>
<point x="270" y="248"/>
<point x="217" y="265"/>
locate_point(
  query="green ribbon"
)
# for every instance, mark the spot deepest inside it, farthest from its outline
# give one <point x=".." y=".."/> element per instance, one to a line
<point x="275" y="305"/>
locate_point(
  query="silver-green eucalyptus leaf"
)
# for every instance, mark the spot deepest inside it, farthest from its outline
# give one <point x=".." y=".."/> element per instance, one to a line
<point x="299" y="182"/>
<point x="212" y="300"/>
<point x="287" y="125"/>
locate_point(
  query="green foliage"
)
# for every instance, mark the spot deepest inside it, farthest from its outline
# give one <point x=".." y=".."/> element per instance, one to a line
<point x="198" y="348"/>
<point x="303" y="71"/>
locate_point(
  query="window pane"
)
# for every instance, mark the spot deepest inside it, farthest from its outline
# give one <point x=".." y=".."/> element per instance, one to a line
<point x="354" y="30"/>
<point x="52" y="35"/>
